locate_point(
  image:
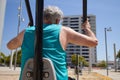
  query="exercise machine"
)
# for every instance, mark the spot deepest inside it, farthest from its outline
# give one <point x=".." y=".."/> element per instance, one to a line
<point x="38" y="68"/>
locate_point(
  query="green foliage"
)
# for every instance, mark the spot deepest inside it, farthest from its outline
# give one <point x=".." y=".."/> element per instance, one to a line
<point x="102" y="64"/>
<point x="118" y="57"/>
<point x="2" y="57"/>
<point x="81" y="59"/>
<point x="6" y="59"/>
<point x="118" y="54"/>
<point x="18" y="57"/>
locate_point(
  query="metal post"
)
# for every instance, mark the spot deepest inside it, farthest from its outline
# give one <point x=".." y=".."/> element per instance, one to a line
<point x="29" y="13"/>
<point x="11" y="59"/>
<point x="19" y="20"/>
<point x="106" y="51"/>
<point x="38" y="62"/>
<point x="84" y="10"/>
<point x="115" y="57"/>
<point x="77" y="66"/>
<point x="105" y="29"/>
<point x="84" y="17"/>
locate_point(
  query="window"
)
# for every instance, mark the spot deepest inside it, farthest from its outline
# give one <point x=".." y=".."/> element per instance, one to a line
<point x="74" y="18"/>
<point x="85" y="49"/>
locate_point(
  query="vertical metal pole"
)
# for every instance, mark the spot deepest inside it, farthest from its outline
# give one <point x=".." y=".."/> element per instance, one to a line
<point x="115" y="57"/>
<point x="11" y="59"/>
<point x="77" y="66"/>
<point x="106" y="51"/>
<point x="84" y="10"/>
<point x="38" y="62"/>
<point x="29" y="13"/>
<point x="19" y="20"/>
<point x="84" y="15"/>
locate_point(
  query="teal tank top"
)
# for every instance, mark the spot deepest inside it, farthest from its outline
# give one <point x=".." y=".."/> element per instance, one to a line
<point x="52" y="49"/>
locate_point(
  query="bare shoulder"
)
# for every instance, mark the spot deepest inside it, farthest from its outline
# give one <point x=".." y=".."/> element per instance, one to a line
<point x="67" y="29"/>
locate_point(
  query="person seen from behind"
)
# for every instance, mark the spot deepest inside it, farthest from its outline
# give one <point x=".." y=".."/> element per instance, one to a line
<point x="56" y="37"/>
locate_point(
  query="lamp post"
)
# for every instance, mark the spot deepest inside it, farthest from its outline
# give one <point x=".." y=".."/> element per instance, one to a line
<point x="20" y="18"/>
<point x="114" y="45"/>
<point x="106" y="29"/>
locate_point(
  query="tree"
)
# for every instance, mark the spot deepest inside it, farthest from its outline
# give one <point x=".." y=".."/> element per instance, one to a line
<point x="81" y="62"/>
<point x="81" y="59"/>
<point x="118" y="57"/>
<point x="2" y="57"/>
<point x="118" y="54"/>
<point x="19" y="52"/>
<point x="7" y="60"/>
<point x="102" y="64"/>
<point x="18" y="58"/>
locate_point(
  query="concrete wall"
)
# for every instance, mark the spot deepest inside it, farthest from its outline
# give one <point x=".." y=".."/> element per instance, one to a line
<point x="2" y="13"/>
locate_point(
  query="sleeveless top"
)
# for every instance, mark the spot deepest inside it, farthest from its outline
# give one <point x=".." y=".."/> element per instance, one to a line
<point x="52" y="48"/>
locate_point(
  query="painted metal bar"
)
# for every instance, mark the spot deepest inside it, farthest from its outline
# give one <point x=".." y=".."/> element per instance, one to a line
<point x="84" y="10"/>
<point x="29" y="13"/>
<point x="38" y="61"/>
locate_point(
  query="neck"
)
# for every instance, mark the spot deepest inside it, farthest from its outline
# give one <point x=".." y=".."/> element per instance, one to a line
<point x="49" y="22"/>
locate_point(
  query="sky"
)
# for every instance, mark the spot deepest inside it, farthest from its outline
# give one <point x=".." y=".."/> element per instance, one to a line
<point x="106" y="11"/>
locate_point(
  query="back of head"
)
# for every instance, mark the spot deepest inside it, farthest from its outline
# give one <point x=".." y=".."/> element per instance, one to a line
<point x="52" y="13"/>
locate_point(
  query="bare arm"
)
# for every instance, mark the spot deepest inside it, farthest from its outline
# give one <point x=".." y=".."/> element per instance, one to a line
<point x="16" y="42"/>
<point x="88" y="39"/>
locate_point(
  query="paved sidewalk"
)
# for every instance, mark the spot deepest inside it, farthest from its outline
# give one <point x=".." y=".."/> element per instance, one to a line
<point x="112" y="74"/>
<point x="87" y="75"/>
<point x="9" y="74"/>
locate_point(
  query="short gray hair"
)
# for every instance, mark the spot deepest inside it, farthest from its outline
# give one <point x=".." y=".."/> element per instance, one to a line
<point x="51" y="13"/>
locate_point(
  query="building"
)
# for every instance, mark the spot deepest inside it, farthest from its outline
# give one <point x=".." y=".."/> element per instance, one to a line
<point x="75" y="22"/>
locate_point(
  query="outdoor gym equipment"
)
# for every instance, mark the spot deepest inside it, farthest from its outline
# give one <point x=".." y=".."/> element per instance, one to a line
<point x="38" y="68"/>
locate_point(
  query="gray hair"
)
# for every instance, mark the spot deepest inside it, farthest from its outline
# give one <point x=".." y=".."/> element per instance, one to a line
<point x="51" y="13"/>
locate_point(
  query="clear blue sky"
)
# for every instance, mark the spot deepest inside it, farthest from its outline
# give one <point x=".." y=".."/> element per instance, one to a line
<point x="107" y="15"/>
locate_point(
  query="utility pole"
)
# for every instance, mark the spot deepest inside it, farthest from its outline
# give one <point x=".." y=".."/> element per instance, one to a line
<point x="18" y="27"/>
<point x="106" y="51"/>
<point x="114" y="45"/>
<point x="106" y="29"/>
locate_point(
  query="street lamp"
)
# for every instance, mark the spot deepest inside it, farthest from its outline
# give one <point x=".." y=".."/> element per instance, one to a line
<point x="106" y="29"/>
<point x="20" y="18"/>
